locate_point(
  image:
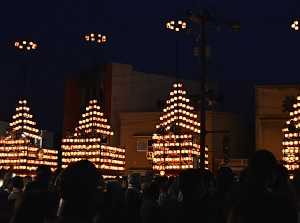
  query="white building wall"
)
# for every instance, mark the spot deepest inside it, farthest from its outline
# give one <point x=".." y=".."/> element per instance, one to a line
<point x="134" y="91"/>
<point x="270" y="116"/>
<point x="138" y="91"/>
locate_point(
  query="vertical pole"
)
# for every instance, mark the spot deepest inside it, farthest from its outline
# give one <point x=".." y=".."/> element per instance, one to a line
<point x="100" y="153"/>
<point x="203" y="91"/>
<point x="176" y="55"/>
<point x="24" y="67"/>
<point x="177" y="129"/>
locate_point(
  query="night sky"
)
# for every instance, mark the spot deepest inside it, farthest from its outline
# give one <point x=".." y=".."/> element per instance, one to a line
<point x="264" y="52"/>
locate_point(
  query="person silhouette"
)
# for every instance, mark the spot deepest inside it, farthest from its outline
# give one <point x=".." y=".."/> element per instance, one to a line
<point x="193" y="203"/>
<point x="80" y="186"/>
<point x="262" y="170"/>
<point x="134" y="197"/>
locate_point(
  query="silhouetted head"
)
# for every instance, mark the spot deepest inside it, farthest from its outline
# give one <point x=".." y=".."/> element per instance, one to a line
<point x="151" y="191"/>
<point x="43" y="174"/>
<point x="162" y="182"/>
<point x="207" y="177"/>
<point x="27" y="179"/>
<point x="17" y="182"/>
<point x="42" y="179"/>
<point x="7" y="179"/>
<point x="191" y="183"/>
<point x="134" y="179"/>
<point x="150" y="173"/>
<point x="224" y="177"/>
<point x="79" y="181"/>
<point x="113" y="195"/>
<point x="244" y="174"/>
<point x="262" y="167"/>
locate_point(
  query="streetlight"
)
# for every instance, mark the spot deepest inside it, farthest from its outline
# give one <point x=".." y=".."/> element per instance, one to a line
<point x="25" y="46"/>
<point x="295" y="25"/>
<point x="201" y="19"/>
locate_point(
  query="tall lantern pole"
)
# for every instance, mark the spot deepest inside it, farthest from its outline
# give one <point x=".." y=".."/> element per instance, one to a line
<point x="25" y="47"/>
<point x="177" y="26"/>
<point x="94" y="39"/>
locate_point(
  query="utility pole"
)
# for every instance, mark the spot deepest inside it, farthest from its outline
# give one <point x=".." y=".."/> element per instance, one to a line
<point x="201" y="19"/>
<point x="203" y="82"/>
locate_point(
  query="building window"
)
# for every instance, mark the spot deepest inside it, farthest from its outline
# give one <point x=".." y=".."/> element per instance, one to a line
<point x="142" y="144"/>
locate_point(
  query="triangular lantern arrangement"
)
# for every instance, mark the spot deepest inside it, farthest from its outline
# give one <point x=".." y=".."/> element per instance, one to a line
<point x="21" y="147"/>
<point x="90" y="141"/>
<point x="291" y="138"/>
<point x="174" y="141"/>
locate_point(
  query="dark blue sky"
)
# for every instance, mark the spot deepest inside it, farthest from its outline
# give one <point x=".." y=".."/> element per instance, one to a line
<point x="264" y="52"/>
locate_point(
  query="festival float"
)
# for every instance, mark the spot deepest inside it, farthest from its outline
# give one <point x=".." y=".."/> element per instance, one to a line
<point x="291" y="139"/>
<point x="21" y="148"/>
<point x="90" y="141"/>
<point x="175" y="146"/>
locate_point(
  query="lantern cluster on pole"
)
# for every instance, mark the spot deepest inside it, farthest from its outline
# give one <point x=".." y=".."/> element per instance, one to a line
<point x="21" y="148"/>
<point x="90" y="141"/>
<point x="175" y="139"/>
<point x="295" y="25"/>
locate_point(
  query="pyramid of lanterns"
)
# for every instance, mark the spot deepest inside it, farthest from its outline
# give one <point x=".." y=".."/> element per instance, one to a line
<point x="21" y="147"/>
<point x="174" y="141"/>
<point x="291" y="139"/>
<point x="89" y="141"/>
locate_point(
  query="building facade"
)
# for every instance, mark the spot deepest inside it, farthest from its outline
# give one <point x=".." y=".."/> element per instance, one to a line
<point x="133" y="102"/>
<point x="137" y="128"/>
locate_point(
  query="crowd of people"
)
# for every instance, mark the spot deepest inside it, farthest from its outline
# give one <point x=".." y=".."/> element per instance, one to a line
<point x="262" y="193"/>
